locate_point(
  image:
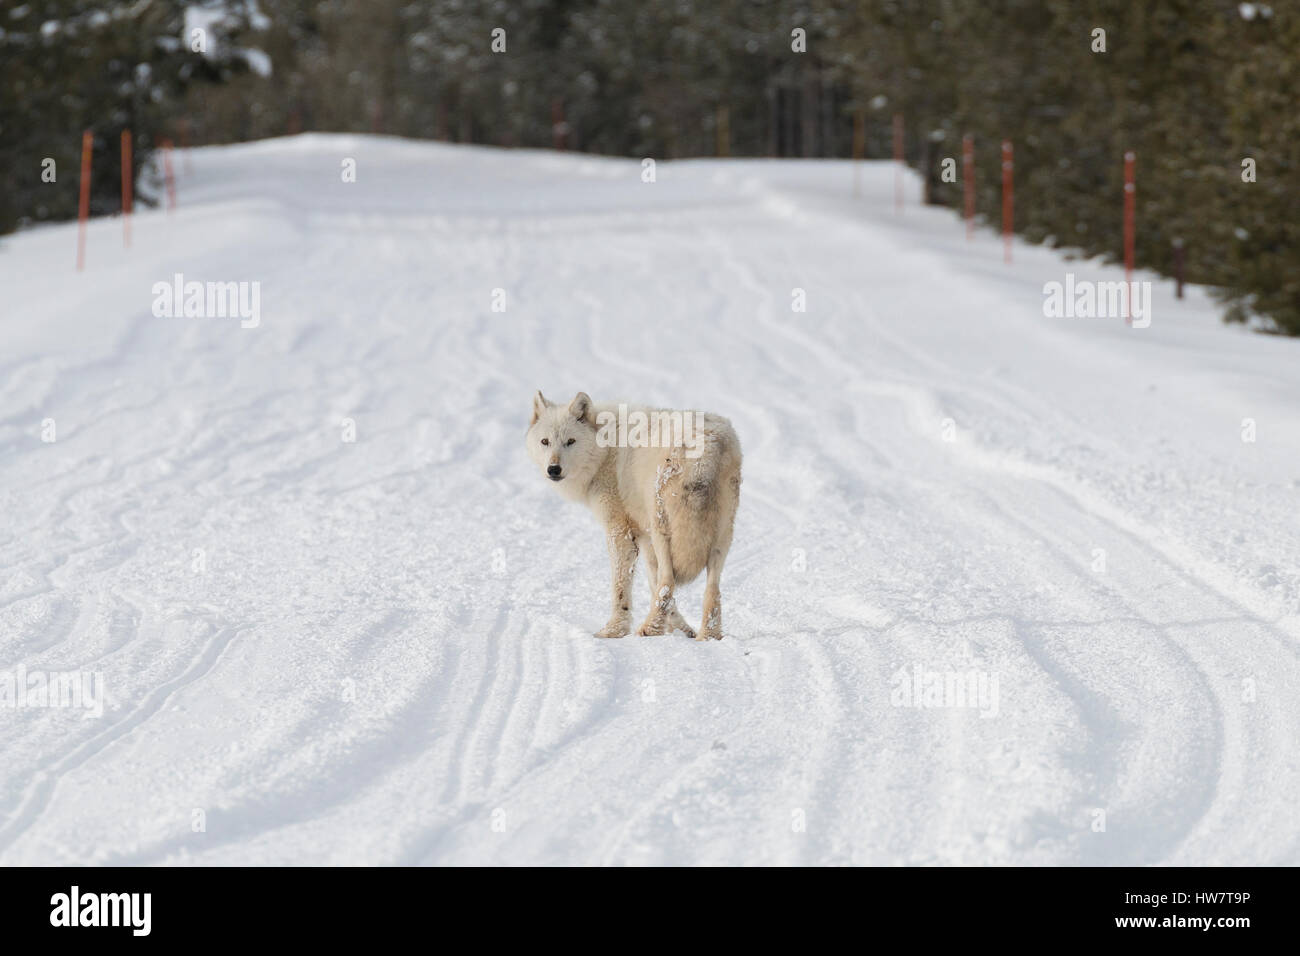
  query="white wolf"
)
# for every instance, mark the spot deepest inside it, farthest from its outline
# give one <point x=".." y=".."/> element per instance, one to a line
<point x="675" y="501"/>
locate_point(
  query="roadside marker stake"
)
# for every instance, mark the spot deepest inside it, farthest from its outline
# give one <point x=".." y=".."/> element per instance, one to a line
<point x="968" y="181"/>
<point x="83" y="206"/>
<point x="1130" y="202"/>
<point x="898" y="162"/>
<point x="169" y="174"/>
<point x="859" y="148"/>
<point x="1008" y="199"/>
<point x="126" y="188"/>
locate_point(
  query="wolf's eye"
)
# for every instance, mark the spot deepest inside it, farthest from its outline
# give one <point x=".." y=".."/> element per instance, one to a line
<point x="570" y="441"/>
<point x="546" y="441"/>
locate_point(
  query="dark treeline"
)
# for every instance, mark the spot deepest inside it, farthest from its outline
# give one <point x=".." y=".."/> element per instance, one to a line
<point x="73" y="65"/>
<point x="1195" y="87"/>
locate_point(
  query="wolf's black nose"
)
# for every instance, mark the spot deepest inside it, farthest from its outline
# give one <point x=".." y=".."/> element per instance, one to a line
<point x="553" y="471"/>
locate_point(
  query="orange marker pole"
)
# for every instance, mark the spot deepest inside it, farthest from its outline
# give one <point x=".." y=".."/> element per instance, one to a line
<point x="898" y="162"/>
<point x="968" y="181"/>
<point x="859" y="149"/>
<point x="1130" y="229"/>
<point x="1008" y="199"/>
<point x="168" y="174"/>
<point x="126" y="188"/>
<point x="83" y="207"/>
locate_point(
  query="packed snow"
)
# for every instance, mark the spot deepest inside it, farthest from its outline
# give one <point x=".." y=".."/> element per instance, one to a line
<point x="1005" y="588"/>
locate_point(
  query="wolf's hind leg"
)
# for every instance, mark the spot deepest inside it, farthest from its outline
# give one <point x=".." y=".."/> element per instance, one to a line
<point x="622" y="562"/>
<point x="711" y="626"/>
<point x="663" y="616"/>
<point x="651" y="566"/>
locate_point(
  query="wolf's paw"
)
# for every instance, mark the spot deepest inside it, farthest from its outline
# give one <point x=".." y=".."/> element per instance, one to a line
<point x="711" y="626"/>
<point x="652" y="626"/>
<point x="615" y="628"/>
<point x="679" y="624"/>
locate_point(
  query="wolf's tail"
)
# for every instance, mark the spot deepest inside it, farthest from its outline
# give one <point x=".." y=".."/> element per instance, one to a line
<point x="719" y="451"/>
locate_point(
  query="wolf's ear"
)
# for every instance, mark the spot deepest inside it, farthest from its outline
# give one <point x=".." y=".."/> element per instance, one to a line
<point x="580" y="407"/>
<point x="540" y="404"/>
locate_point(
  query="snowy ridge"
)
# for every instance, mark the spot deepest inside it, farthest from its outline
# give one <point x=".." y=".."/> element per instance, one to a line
<point x="379" y="651"/>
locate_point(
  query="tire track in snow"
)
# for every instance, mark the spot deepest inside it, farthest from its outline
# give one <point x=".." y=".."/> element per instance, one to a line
<point x="375" y="756"/>
<point x="1230" y="736"/>
<point x="45" y="781"/>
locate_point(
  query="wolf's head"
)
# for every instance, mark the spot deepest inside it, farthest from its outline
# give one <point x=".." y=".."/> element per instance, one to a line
<point x="562" y="441"/>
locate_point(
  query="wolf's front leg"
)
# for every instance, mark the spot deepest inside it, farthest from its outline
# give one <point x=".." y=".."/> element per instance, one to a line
<point x="622" y="562"/>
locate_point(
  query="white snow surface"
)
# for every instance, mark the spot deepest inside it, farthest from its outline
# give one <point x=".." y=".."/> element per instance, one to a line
<point x="318" y="651"/>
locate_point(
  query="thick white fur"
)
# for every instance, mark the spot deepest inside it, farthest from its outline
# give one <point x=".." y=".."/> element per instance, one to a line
<point x="676" y="509"/>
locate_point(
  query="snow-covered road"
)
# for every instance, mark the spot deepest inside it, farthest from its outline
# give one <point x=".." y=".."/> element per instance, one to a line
<point x="317" y="650"/>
